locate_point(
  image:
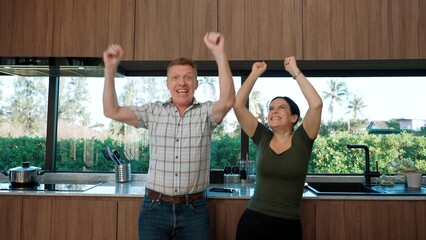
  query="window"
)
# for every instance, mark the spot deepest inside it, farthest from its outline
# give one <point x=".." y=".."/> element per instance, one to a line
<point x="83" y="130"/>
<point x="23" y="120"/>
<point x="385" y="113"/>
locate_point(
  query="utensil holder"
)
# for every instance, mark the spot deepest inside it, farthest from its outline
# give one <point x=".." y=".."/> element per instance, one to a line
<point x="123" y="173"/>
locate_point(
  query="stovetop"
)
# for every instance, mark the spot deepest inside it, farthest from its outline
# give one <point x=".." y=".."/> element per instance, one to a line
<point x="64" y="187"/>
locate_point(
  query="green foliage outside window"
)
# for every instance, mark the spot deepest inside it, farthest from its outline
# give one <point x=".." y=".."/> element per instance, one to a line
<point x="330" y="154"/>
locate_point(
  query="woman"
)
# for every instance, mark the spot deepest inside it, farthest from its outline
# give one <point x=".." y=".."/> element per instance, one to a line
<point x="282" y="158"/>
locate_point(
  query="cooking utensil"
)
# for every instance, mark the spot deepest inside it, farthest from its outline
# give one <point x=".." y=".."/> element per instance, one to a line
<point x="24" y="176"/>
<point x="109" y="155"/>
<point x="117" y="156"/>
<point x="106" y="155"/>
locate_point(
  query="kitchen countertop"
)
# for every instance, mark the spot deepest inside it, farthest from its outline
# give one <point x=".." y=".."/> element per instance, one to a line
<point x="135" y="188"/>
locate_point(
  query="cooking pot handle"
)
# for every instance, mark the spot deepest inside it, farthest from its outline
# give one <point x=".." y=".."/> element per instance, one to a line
<point x="41" y="172"/>
<point x="6" y="173"/>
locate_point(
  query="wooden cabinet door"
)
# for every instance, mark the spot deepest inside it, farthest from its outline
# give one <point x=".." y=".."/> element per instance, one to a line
<point x="128" y="218"/>
<point x="26" y="28"/>
<point x="167" y="29"/>
<point x="308" y="219"/>
<point x="261" y="29"/>
<point x="10" y="217"/>
<point x="381" y="220"/>
<point x="421" y="219"/>
<point x="407" y="29"/>
<point x="62" y="218"/>
<point x="345" y="29"/>
<point x="85" y="28"/>
<point x="224" y="217"/>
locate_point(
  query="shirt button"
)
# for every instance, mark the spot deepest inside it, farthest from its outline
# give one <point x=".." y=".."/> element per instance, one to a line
<point x="176" y="174"/>
<point x="175" y="190"/>
<point x="177" y="140"/>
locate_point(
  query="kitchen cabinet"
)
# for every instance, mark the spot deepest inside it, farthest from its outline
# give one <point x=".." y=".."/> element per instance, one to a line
<point x="10" y="217"/>
<point x="79" y="217"/>
<point x="420" y="219"/>
<point x="345" y="29"/>
<point x="69" y="218"/>
<point x="85" y="28"/>
<point x="340" y="219"/>
<point x="69" y="28"/>
<point x="26" y="28"/>
<point x="128" y="218"/>
<point x="225" y="214"/>
<point x="407" y="29"/>
<point x="261" y="29"/>
<point x="166" y="30"/>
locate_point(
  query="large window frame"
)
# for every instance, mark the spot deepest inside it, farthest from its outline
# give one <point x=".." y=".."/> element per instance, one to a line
<point x="239" y="68"/>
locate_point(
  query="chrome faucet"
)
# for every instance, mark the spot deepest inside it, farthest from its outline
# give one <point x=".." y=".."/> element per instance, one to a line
<point x="367" y="173"/>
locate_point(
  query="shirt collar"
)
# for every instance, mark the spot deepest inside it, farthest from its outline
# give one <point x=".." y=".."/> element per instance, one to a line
<point x="169" y="102"/>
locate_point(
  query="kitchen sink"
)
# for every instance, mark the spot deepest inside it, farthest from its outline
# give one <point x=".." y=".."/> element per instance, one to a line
<point x="332" y="188"/>
<point x="352" y="188"/>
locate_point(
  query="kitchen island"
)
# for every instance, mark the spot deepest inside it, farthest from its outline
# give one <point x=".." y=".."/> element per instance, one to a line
<point x="110" y="211"/>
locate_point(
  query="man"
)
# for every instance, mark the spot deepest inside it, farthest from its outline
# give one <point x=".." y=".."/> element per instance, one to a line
<point x="180" y="131"/>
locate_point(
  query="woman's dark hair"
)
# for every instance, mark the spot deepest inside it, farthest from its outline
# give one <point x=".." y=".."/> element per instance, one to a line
<point x="294" y="109"/>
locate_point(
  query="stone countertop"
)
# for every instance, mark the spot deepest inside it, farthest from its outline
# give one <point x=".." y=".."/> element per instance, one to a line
<point x="136" y="188"/>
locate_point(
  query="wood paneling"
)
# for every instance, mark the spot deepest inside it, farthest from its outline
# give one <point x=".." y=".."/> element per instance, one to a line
<point x="170" y="29"/>
<point x="308" y="219"/>
<point x="345" y="29"/>
<point x="61" y="218"/>
<point x="380" y="220"/>
<point x="225" y="217"/>
<point x="407" y="29"/>
<point x="86" y="28"/>
<point x="26" y="28"/>
<point x="128" y="218"/>
<point x="10" y="218"/>
<point x="261" y="29"/>
<point x="420" y="219"/>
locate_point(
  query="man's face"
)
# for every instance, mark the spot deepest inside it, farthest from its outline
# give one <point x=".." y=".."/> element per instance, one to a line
<point x="182" y="82"/>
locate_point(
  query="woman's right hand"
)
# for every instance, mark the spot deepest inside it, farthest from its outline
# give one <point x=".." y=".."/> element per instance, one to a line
<point x="258" y="68"/>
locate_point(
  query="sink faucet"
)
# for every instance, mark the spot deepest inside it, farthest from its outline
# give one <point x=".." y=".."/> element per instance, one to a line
<point x="367" y="173"/>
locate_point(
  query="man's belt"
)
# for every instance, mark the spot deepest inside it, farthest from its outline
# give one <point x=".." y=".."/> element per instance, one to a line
<point x="178" y="199"/>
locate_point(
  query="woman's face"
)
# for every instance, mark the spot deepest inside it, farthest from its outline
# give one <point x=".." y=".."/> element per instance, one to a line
<point x="280" y="114"/>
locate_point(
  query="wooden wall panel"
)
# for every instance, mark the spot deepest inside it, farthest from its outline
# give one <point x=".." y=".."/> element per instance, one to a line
<point x="343" y="29"/>
<point x="170" y="29"/>
<point x="261" y="29"/>
<point x="26" y="28"/>
<point x="86" y="28"/>
<point x="407" y="29"/>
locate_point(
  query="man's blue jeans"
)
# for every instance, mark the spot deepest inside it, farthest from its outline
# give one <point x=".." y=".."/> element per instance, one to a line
<point x="160" y="220"/>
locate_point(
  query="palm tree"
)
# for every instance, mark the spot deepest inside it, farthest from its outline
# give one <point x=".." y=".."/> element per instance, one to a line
<point x="338" y="90"/>
<point x="356" y="105"/>
<point x="256" y="106"/>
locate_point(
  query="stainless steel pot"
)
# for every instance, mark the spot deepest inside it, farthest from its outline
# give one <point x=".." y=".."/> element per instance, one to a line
<point x="25" y="175"/>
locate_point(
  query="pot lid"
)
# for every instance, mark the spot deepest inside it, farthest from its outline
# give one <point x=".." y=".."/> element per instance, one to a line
<point x="25" y="166"/>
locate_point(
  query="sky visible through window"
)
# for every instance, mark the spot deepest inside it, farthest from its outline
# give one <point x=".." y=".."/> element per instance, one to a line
<point x="385" y="97"/>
